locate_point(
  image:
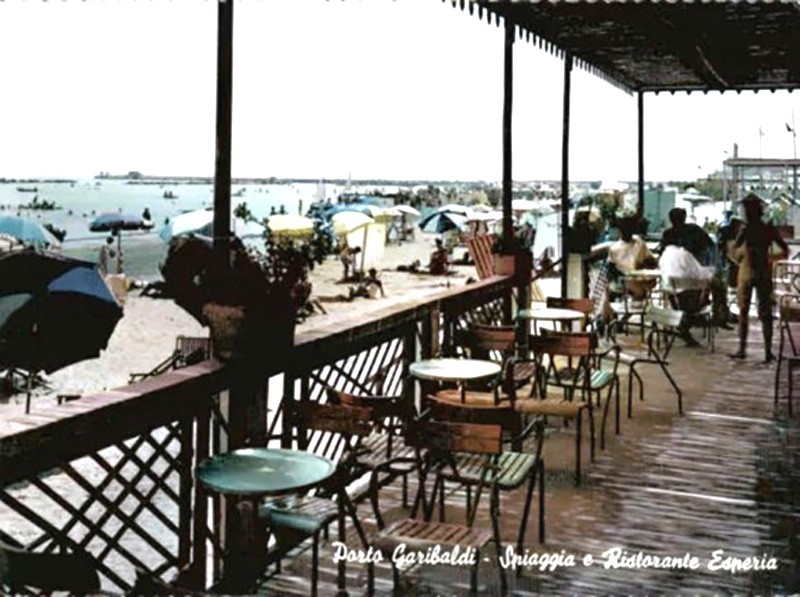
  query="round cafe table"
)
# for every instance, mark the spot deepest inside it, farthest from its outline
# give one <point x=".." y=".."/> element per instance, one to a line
<point x="454" y="370"/>
<point x="556" y="315"/>
<point x="250" y="474"/>
<point x="263" y="471"/>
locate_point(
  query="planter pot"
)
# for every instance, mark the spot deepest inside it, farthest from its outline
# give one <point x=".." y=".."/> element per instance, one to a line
<point x="519" y="265"/>
<point x="504" y="265"/>
<point x="238" y="334"/>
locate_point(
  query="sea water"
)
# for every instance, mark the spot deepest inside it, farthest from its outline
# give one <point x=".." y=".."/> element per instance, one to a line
<point x="80" y="202"/>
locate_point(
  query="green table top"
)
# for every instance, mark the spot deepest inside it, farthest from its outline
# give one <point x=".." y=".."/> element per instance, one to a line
<point x="263" y="471"/>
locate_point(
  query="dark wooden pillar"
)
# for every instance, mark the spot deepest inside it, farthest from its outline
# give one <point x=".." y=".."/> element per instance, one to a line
<point x="565" y="172"/>
<point x="508" y="92"/>
<point x="222" y="159"/>
<point x="640" y="203"/>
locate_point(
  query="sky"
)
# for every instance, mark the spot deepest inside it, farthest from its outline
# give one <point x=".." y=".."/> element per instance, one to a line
<point x="394" y="89"/>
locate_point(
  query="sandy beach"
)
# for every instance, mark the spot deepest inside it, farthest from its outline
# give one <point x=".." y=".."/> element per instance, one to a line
<point x="145" y="336"/>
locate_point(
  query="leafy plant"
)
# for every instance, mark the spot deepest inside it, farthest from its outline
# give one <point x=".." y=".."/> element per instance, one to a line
<point x="522" y="240"/>
<point x="275" y="277"/>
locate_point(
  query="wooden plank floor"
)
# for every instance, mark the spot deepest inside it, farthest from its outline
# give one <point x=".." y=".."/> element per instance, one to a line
<point x="725" y="476"/>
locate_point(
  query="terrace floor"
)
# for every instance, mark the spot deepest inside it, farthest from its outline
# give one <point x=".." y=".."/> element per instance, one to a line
<point x="724" y="476"/>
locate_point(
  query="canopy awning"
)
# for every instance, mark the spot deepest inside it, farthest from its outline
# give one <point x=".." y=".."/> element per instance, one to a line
<point x="647" y="45"/>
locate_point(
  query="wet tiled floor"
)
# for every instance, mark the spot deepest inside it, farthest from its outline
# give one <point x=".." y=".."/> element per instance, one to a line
<point x="724" y="477"/>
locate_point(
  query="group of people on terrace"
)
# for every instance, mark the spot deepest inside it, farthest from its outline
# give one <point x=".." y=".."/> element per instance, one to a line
<point x="742" y="256"/>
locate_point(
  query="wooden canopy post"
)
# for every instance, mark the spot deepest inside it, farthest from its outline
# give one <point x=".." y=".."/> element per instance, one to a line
<point x="222" y="158"/>
<point x="508" y="93"/>
<point x="640" y="202"/>
<point x="565" y="173"/>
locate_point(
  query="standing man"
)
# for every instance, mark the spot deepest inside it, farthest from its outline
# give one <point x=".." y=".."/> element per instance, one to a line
<point x="105" y="255"/>
<point x="752" y="249"/>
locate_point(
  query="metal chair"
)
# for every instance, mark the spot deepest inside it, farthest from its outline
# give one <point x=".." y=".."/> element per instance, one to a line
<point x="788" y="314"/>
<point x="494" y="402"/>
<point x="383" y="454"/>
<point x="436" y="442"/>
<point x="511" y="469"/>
<point x="693" y="297"/>
<point x="295" y="518"/>
<point x="566" y="361"/>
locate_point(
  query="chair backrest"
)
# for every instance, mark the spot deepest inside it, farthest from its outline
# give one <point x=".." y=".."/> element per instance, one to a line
<point x="482" y="339"/>
<point x="442" y="438"/>
<point x="584" y="305"/>
<point x="349" y="421"/>
<point x="381" y="407"/>
<point x="193" y="349"/>
<point x="789" y="308"/>
<point x="564" y="358"/>
<point x="21" y="570"/>
<point x="480" y="250"/>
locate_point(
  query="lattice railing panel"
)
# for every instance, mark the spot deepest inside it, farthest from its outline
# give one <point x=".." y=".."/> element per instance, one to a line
<point x="122" y="505"/>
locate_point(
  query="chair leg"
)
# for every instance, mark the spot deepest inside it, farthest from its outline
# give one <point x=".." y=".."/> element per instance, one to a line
<point x="526" y="510"/>
<point x="373" y="498"/>
<point x="541" y="501"/>
<point x="314" y="564"/>
<point x="590" y="415"/>
<point x="616" y="401"/>
<point x="578" y="425"/>
<point x="778" y="364"/>
<point x="370" y="577"/>
<point x="351" y="511"/>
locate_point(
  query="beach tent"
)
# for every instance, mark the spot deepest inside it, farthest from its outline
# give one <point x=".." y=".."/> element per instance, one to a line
<point x="371" y="239"/>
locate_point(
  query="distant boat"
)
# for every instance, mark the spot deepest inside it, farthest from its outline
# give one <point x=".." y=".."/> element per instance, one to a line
<point x="170" y="195"/>
<point x="239" y="193"/>
<point x="28" y="189"/>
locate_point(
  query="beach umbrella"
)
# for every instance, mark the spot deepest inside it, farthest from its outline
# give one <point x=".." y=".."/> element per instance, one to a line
<point x="54" y="311"/>
<point x="455" y="208"/>
<point x="114" y="222"/>
<point x="291" y="226"/>
<point x="524" y="205"/>
<point x="345" y="222"/>
<point x="443" y="221"/>
<point x="408" y="210"/>
<point x="28" y="232"/>
<point x="201" y="223"/>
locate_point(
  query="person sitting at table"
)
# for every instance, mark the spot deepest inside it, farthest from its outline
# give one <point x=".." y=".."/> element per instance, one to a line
<point x="628" y="253"/>
<point x="688" y="251"/>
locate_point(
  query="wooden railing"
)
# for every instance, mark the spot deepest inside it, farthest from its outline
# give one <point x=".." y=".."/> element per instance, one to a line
<point x="111" y="474"/>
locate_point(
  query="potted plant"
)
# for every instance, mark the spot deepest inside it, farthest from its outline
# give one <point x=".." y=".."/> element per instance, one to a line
<point x="515" y="258"/>
<point x="251" y="308"/>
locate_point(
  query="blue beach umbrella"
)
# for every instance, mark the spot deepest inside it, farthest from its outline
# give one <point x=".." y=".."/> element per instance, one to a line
<point x="54" y="311"/>
<point x="113" y="222"/>
<point x="442" y="221"/>
<point x="29" y="232"/>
